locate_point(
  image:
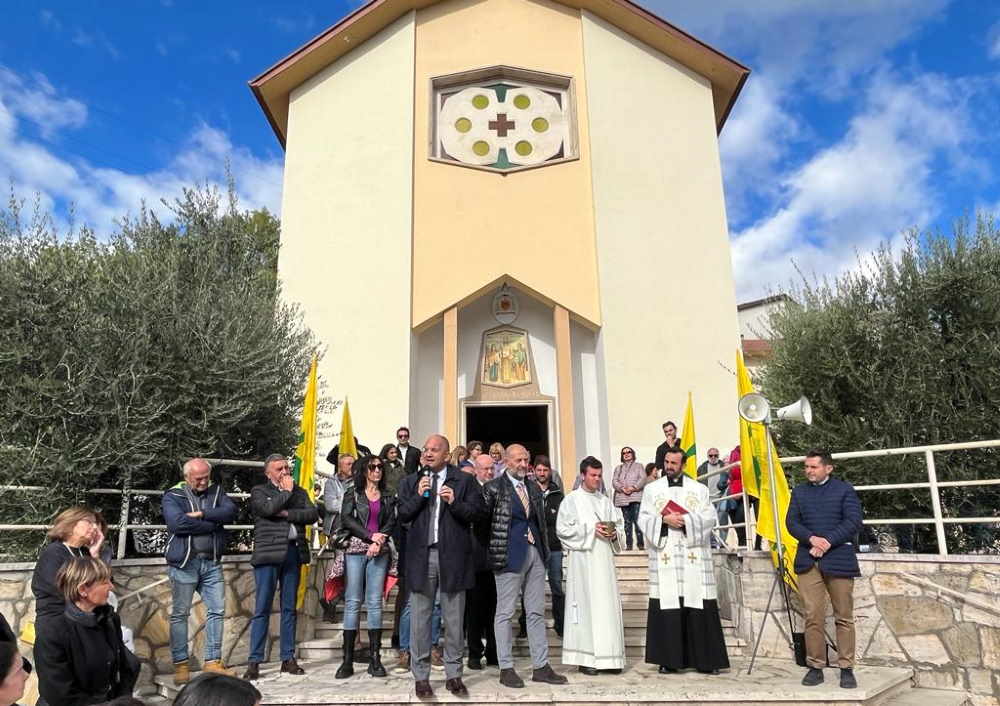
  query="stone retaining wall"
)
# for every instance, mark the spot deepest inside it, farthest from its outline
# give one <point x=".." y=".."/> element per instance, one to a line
<point x="148" y="615"/>
<point x="948" y="642"/>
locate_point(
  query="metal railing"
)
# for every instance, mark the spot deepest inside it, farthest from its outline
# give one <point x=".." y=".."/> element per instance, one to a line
<point x="937" y="517"/>
<point x="127" y="493"/>
<point x="932" y="484"/>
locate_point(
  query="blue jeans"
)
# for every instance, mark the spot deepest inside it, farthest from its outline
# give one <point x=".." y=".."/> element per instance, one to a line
<point x="404" y="624"/>
<point x="364" y="576"/>
<point x="266" y="579"/>
<point x="205" y="577"/>
<point x="631" y="513"/>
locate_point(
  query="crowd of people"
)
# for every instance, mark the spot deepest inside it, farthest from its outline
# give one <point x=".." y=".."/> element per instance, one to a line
<point x="469" y="536"/>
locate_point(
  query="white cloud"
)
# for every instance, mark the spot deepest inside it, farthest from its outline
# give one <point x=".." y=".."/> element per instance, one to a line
<point x="294" y="25"/>
<point x="101" y="195"/>
<point x="864" y="189"/>
<point x="233" y="55"/>
<point x="36" y="101"/>
<point x="993" y="41"/>
<point x="50" y="20"/>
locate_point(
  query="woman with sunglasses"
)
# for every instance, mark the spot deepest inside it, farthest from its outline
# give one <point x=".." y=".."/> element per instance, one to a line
<point x="369" y="515"/>
<point x="628" y="480"/>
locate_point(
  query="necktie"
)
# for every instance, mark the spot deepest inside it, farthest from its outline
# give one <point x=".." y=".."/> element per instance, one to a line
<point x="432" y="525"/>
<point x="522" y="493"/>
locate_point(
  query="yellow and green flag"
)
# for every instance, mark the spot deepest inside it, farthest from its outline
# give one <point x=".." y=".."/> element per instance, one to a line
<point x="752" y="454"/>
<point x="688" y="445"/>
<point x="304" y="464"/>
<point x="347" y="433"/>
<point x="756" y="482"/>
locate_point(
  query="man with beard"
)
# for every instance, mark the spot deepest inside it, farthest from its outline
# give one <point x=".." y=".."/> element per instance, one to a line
<point x="683" y="628"/>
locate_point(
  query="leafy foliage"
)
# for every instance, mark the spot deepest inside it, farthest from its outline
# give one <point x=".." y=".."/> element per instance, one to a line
<point x="167" y="341"/>
<point x="903" y="352"/>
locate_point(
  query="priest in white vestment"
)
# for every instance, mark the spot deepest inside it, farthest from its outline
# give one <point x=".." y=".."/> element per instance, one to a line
<point x="683" y="627"/>
<point x="594" y="635"/>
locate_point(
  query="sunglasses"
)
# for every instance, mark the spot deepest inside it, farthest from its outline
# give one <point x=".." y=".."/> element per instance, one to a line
<point x="713" y="455"/>
<point x="375" y="467"/>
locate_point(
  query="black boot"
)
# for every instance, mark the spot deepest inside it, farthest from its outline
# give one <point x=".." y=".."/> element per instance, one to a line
<point x="347" y="668"/>
<point x="375" y="667"/>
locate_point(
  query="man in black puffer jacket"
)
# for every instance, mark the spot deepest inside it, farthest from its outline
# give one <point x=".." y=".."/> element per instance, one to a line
<point x="517" y="554"/>
<point x="281" y="512"/>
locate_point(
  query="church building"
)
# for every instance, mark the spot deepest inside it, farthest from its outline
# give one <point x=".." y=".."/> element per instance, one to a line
<point x="504" y="219"/>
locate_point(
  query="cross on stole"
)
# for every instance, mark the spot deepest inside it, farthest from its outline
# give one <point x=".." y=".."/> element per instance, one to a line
<point x="501" y="124"/>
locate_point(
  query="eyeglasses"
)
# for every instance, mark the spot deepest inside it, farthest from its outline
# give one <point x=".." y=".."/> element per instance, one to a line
<point x="713" y="455"/>
<point x="375" y="467"/>
<point x="402" y="436"/>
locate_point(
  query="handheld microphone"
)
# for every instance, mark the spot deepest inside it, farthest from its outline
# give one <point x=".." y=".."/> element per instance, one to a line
<point x="426" y="470"/>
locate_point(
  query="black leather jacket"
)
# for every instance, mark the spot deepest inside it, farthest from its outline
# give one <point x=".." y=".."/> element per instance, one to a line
<point x="498" y="494"/>
<point x="355" y="510"/>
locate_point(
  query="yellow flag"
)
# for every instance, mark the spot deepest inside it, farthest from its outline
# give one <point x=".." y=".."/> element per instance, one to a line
<point x="688" y="445"/>
<point x="765" y="521"/>
<point x="752" y="455"/>
<point x="304" y="464"/>
<point x="347" y="433"/>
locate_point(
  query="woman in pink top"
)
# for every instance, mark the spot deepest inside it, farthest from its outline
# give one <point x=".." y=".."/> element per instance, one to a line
<point x="628" y="480"/>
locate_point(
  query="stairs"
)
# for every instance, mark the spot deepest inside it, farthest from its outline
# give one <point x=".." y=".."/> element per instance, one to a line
<point x="631" y="569"/>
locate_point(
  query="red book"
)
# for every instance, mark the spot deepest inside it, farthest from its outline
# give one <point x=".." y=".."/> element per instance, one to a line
<point x="673" y="507"/>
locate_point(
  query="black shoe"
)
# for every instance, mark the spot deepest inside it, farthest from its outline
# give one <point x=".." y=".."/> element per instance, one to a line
<point x="523" y="632"/>
<point x="628" y="547"/>
<point x="290" y="666"/>
<point x="253" y="672"/>
<point x="708" y="671"/>
<point x="424" y="690"/>
<point x="847" y="680"/>
<point x="375" y="667"/>
<point x="456" y="687"/>
<point x="547" y="675"/>
<point x="475" y="663"/>
<point x="509" y="678"/>
<point x="589" y="671"/>
<point x="666" y="670"/>
<point x="642" y="547"/>
<point x="813" y="677"/>
<point x="394" y="641"/>
<point x="613" y="671"/>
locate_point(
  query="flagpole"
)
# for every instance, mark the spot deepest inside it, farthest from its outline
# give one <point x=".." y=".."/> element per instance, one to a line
<point x="774" y="499"/>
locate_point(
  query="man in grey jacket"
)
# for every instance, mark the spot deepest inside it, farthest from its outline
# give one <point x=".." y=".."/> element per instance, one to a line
<point x="717" y="486"/>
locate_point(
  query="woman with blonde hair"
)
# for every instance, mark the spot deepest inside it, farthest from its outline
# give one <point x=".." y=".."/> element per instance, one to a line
<point x="75" y="533"/>
<point x="80" y="656"/>
<point x="459" y="457"/>
<point x="497" y="452"/>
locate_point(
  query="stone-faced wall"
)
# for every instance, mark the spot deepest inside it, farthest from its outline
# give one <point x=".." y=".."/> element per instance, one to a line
<point x="148" y="615"/>
<point x="949" y="642"/>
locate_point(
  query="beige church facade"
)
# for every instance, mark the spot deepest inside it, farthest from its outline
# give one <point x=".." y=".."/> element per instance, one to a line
<point x="505" y="221"/>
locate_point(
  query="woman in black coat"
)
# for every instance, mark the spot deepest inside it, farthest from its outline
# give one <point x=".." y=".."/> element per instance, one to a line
<point x="13" y="675"/>
<point x="80" y="656"/>
<point x="75" y="532"/>
<point x="368" y="514"/>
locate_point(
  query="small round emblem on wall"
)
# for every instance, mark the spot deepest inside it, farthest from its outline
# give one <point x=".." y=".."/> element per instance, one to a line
<point x="505" y="306"/>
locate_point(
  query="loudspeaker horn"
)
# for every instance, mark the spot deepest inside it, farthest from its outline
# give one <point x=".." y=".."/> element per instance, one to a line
<point x="754" y="407"/>
<point x="800" y="411"/>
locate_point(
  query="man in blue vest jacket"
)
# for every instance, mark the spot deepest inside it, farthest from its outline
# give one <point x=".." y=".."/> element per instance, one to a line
<point x="825" y="516"/>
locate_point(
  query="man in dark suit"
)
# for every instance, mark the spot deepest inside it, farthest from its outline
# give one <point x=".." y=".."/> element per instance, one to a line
<point x="407" y="454"/>
<point x="518" y="551"/>
<point x="281" y="511"/>
<point x="441" y="506"/>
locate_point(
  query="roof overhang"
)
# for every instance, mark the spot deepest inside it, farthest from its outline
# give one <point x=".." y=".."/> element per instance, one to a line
<point x="273" y="87"/>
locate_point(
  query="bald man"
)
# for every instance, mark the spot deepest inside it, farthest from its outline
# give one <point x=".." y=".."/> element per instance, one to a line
<point x="196" y="511"/>
<point x="518" y="551"/>
<point x="441" y="504"/>
<point x="481" y="600"/>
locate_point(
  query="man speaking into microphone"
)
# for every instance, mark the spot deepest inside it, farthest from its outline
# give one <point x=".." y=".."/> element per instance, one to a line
<point x="441" y="503"/>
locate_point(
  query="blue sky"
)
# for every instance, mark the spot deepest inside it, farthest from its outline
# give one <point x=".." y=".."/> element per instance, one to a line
<point x="861" y="118"/>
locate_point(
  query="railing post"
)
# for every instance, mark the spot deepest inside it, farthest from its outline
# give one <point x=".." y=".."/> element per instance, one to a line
<point x="936" y="502"/>
<point x="123" y="515"/>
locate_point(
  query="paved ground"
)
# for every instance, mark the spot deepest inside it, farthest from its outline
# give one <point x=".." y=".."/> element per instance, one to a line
<point x="771" y="681"/>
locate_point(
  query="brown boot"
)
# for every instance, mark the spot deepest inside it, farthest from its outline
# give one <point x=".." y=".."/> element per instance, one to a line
<point x="182" y="673"/>
<point x="217" y="667"/>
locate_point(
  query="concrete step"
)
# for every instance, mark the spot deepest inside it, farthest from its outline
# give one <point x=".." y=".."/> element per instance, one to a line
<point x="919" y="696"/>
<point x="773" y="683"/>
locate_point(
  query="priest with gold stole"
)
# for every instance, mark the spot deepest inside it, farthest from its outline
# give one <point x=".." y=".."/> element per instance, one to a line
<point x="683" y="628"/>
<point x="593" y="633"/>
